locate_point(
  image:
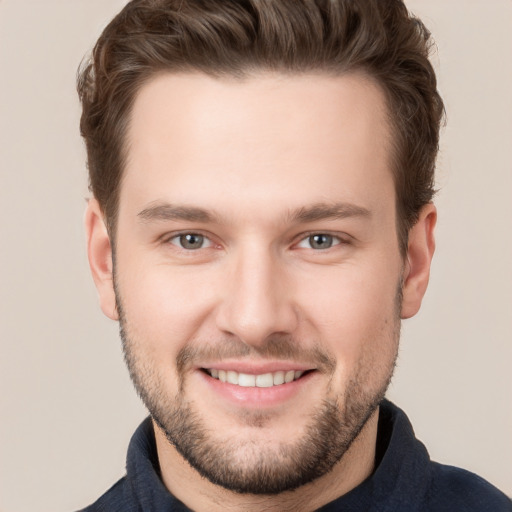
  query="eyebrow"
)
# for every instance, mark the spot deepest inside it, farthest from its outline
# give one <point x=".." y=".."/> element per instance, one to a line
<point x="315" y="212"/>
<point x="321" y="211"/>
<point x="166" y="211"/>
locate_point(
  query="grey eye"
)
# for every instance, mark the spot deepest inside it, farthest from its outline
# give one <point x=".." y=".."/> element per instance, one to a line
<point x="191" y="241"/>
<point x="321" y="241"/>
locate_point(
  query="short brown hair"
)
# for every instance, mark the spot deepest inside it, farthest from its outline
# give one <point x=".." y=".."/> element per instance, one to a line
<point x="237" y="37"/>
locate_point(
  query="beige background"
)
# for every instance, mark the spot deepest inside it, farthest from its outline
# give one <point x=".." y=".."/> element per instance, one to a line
<point x="67" y="409"/>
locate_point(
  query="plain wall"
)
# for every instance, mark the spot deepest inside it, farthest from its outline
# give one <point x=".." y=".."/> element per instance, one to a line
<point x="67" y="407"/>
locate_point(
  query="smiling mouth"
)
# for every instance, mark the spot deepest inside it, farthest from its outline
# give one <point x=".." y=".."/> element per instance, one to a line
<point x="265" y="380"/>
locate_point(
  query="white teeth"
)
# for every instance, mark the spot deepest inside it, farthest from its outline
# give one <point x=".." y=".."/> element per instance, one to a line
<point x="247" y="381"/>
<point x="232" y="377"/>
<point x="265" y="380"/>
<point x="278" y="378"/>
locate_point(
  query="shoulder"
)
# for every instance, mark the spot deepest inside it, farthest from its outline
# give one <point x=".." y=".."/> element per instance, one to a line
<point x="112" y="501"/>
<point x="455" y="489"/>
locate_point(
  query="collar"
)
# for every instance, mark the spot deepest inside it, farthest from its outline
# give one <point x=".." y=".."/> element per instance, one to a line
<point x="402" y="470"/>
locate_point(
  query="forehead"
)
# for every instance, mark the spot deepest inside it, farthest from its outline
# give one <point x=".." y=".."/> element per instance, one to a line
<point x="230" y="143"/>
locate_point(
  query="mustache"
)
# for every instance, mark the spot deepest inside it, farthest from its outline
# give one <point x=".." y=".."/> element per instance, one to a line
<point x="276" y="347"/>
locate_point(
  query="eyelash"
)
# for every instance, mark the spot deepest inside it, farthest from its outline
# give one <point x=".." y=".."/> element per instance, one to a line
<point x="305" y="238"/>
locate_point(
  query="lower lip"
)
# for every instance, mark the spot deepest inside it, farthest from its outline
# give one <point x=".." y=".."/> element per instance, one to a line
<point x="255" y="397"/>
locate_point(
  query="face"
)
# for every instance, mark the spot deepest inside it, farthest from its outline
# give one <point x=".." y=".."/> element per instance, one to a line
<point x="257" y="270"/>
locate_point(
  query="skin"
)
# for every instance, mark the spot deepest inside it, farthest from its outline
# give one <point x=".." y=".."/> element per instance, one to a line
<point x="260" y="156"/>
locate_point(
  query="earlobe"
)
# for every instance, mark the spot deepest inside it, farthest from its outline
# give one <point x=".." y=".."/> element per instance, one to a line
<point x="99" y="252"/>
<point x="420" y="250"/>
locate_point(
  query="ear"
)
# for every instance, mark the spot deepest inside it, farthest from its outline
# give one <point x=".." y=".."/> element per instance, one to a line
<point x="420" y="250"/>
<point x="99" y="251"/>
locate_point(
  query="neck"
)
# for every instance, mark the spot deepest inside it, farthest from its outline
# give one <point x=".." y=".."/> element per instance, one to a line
<point x="197" y="493"/>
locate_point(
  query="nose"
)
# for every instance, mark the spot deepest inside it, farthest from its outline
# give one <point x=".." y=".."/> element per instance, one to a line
<point x="257" y="300"/>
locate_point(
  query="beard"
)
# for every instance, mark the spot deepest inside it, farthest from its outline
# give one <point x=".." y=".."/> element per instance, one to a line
<point x="245" y="465"/>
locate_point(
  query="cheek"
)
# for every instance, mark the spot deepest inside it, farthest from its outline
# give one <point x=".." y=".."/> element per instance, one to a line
<point x="162" y="312"/>
<point x="163" y="305"/>
<point x="355" y="316"/>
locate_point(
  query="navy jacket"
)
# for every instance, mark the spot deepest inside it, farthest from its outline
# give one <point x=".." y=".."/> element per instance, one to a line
<point x="405" y="479"/>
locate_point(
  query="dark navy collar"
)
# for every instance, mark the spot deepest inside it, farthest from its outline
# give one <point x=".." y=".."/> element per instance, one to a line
<point x="403" y="465"/>
<point x="405" y="480"/>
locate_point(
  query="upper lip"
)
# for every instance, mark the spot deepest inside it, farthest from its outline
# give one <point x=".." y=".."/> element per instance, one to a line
<point x="257" y="367"/>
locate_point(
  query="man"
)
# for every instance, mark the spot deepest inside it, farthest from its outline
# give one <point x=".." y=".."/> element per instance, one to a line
<point x="262" y="174"/>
